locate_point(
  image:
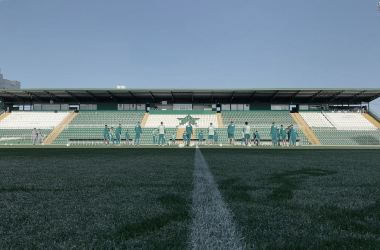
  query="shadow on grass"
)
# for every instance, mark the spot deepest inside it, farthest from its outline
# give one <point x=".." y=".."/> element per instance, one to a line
<point x="290" y="181"/>
<point x="232" y="187"/>
<point x="179" y="211"/>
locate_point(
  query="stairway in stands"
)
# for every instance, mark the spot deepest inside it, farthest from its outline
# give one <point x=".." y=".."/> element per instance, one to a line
<point x="58" y="129"/>
<point x="306" y="129"/>
<point x="372" y="120"/>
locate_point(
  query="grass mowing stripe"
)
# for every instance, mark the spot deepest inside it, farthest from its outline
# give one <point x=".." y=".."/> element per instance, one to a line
<point x="212" y="225"/>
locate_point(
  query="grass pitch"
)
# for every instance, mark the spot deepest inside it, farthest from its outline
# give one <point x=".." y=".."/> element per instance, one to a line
<point x="141" y="197"/>
<point x="95" y="198"/>
<point x="302" y="199"/>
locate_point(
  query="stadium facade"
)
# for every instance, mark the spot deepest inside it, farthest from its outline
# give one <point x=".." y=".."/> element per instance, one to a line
<point x="320" y="116"/>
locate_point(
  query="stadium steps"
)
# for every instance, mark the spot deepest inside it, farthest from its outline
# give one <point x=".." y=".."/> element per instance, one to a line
<point x="145" y="119"/>
<point x="58" y="129"/>
<point x="3" y="115"/>
<point x="371" y="120"/>
<point x="180" y="133"/>
<point x="306" y="129"/>
<point x="220" y="120"/>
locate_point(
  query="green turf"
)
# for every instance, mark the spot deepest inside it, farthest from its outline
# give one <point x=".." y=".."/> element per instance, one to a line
<point x="140" y="197"/>
<point x="301" y="199"/>
<point x="95" y="198"/>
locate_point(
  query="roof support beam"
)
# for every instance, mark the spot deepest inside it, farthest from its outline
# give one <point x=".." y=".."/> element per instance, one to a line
<point x="112" y="96"/>
<point x="53" y="96"/>
<point x="92" y="95"/>
<point x="232" y="96"/>
<point x="14" y="96"/>
<point x="251" y="98"/>
<point x="336" y="96"/>
<point x="212" y="96"/>
<point x="373" y="98"/>
<point x="133" y="97"/>
<point x="274" y="95"/>
<point x="72" y="95"/>
<point x="294" y="96"/>
<point x="192" y="96"/>
<point x="315" y="95"/>
<point x="33" y="95"/>
<point x="171" y="93"/>
<point x="151" y="94"/>
<point x="357" y="95"/>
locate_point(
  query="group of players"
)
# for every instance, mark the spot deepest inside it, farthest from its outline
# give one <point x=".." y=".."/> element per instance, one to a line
<point x="279" y="136"/>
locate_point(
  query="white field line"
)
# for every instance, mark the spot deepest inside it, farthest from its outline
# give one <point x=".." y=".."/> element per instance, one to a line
<point x="212" y="224"/>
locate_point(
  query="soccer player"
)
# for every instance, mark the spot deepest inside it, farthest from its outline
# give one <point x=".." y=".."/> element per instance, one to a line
<point x="127" y="138"/>
<point x="34" y="135"/>
<point x="154" y="136"/>
<point x="291" y="132"/>
<point x="294" y="136"/>
<point x="211" y="130"/>
<point x="184" y="137"/>
<point x="273" y="133"/>
<point x="283" y="135"/>
<point x="247" y="134"/>
<point x="231" y="133"/>
<point x="200" y="138"/>
<point x="108" y="136"/>
<point x="257" y="138"/>
<point x="40" y="137"/>
<point x="189" y="132"/>
<point x="112" y="136"/>
<point x="105" y="135"/>
<point x="287" y="135"/>
<point x="173" y="138"/>
<point x="161" y="134"/>
<point x="138" y="131"/>
<point x="242" y="138"/>
<point x="118" y="135"/>
<point x="215" y="137"/>
<point x="278" y="137"/>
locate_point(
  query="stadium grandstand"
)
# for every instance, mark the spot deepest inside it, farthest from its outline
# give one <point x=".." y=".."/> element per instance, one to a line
<point x="78" y="116"/>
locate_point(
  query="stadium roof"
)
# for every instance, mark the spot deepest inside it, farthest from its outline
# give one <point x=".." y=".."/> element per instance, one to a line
<point x="306" y="95"/>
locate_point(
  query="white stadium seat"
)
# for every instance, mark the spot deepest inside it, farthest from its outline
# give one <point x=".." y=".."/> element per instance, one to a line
<point x="30" y="120"/>
<point x="172" y="121"/>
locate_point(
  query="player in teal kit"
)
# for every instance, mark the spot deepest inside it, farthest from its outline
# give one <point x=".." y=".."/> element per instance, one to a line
<point x="105" y="135"/>
<point x="231" y="133"/>
<point x="283" y="135"/>
<point x="273" y="133"/>
<point x="189" y="132"/>
<point x="211" y="130"/>
<point x="154" y="136"/>
<point x="112" y="136"/>
<point x="247" y="134"/>
<point x="173" y="138"/>
<point x="161" y="134"/>
<point x="293" y="137"/>
<point x="118" y="135"/>
<point x="138" y="131"/>
<point x="257" y="138"/>
<point x="127" y="136"/>
<point x="200" y="138"/>
<point x="242" y="138"/>
<point x="215" y="137"/>
<point x="184" y="137"/>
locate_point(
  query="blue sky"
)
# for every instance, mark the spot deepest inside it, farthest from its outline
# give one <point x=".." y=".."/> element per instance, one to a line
<point x="190" y="44"/>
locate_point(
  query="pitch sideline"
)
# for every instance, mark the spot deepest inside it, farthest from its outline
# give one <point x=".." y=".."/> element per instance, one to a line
<point x="212" y="224"/>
